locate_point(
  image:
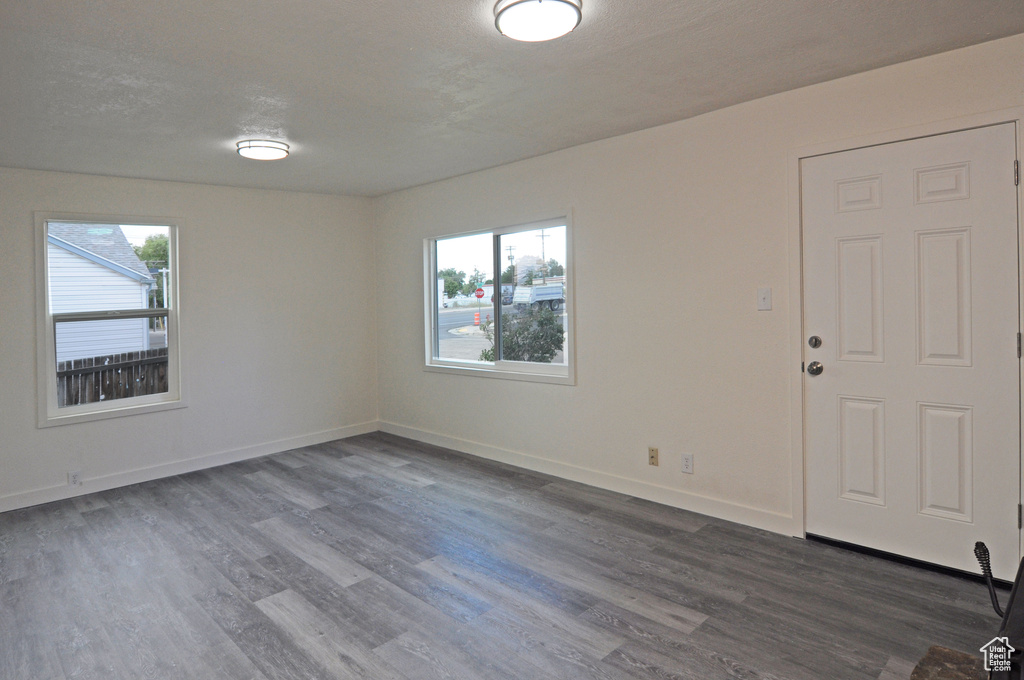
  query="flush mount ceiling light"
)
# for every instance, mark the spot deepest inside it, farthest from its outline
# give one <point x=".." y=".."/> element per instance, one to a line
<point x="262" y="149"/>
<point x="537" y="20"/>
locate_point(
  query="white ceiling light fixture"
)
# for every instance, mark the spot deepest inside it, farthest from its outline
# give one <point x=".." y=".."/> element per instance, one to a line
<point x="262" y="149"/>
<point x="537" y="20"/>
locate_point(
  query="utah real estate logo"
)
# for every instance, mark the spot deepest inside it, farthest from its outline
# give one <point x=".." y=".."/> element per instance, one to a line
<point x="997" y="653"/>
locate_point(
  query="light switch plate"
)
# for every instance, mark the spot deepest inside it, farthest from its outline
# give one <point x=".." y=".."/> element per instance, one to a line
<point x="764" y="299"/>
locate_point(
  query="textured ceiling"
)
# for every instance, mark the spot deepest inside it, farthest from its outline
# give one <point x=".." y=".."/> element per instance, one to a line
<point x="381" y="95"/>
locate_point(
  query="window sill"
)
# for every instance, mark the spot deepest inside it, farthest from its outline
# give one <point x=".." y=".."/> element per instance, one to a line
<point x="73" y="414"/>
<point x="565" y="376"/>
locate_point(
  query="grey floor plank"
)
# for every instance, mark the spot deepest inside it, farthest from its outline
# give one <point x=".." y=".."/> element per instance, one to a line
<point x="374" y="450"/>
<point x="450" y="599"/>
<point x="264" y="643"/>
<point x="243" y="572"/>
<point x="366" y="547"/>
<point x="520" y="577"/>
<point x="416" y="535"/>
<point x="290" y="460"/>
<point x="695" y="664"/>
<point x="464" y="505"/>
<point x="666" y="612"/>
<point x="364" y="620"/>
<point x="555" y="623"/>
<point x="683" y="520"/>
<point x="545" y="647"/>
<point x="220" y="488"/>
<point x="425" y="659"/>
<point x="28" y="643"/>
<point x="84" y="504"/>
<point x="633" y="562"/>
<point x="365" y="466"/>
<point x="287" y="489"/>
<point x="144" y="635"/>
<point x="397" y="609"/>
<point x="316" y="554"/>
<point x="76" y="613"/>
<point x="322" y="639"/>
<point x="225" y="661"/>
<point x="380" y="557"/>
<point x="460" y="652"/>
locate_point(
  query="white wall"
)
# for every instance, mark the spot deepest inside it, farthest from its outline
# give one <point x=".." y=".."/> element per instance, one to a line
<point x="702" y="207"/>
<point x="277" y="331"/>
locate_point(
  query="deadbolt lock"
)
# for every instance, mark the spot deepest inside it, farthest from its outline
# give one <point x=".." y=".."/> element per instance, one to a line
<point x="814" y="341"/>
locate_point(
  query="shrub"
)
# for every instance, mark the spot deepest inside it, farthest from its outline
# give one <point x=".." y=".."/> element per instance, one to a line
<point x="534" y="335"/>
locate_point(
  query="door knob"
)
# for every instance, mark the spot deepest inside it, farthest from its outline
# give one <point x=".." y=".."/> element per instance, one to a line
<point x="815" y="368"/>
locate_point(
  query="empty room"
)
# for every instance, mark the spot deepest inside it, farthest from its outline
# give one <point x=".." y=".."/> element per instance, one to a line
<point x="510" y="339"/>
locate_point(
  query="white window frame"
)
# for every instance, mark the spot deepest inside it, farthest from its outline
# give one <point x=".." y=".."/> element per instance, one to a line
<point x="46" y="354"/>
<point x="560" y="374"/>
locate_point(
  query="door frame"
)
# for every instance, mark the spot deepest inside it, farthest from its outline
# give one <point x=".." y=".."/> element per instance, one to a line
<point x="797" y="348"/>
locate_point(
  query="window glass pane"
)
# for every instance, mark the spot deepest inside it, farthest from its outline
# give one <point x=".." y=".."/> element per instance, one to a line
<point x="110" y="359"/>
<point x="533" y="326"/>
<point x="99" y="268"/>
<point x="465" y="284"/>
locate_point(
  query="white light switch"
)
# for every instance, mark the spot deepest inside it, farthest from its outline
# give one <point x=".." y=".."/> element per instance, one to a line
<point x="764" y="299"/>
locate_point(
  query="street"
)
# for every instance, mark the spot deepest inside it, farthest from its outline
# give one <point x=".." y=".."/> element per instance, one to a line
<point x="457" y="317"/>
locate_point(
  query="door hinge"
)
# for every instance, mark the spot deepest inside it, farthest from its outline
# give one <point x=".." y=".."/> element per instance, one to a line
<point x="1020" y="516"/>
<point x="1018" y="345"/>
<point x="1016" y="173"/>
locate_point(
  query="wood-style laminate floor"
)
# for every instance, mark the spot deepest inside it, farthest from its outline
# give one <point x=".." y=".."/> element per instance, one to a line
<point x="378" y="557"/>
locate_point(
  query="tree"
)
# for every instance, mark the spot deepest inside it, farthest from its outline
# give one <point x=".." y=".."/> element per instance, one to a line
<point x="534" y="336"/>
<point x="509" y="275"/>
<point x="154" y="253"/>
<point x="452" y="281"/>
<point x="555" y="269"/>
<point x="474" y="282"/>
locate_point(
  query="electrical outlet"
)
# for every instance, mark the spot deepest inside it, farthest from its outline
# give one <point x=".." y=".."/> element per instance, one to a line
<point x="688" y="463"/>
<point x="652" y="455"/>
<point x="74" y="478"/>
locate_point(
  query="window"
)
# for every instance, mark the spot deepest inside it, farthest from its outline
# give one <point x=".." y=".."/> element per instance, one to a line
<point x="499" y="302"/>
<point x="108" y="324"/>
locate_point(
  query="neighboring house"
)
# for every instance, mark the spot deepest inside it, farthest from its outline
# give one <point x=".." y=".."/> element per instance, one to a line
<point x="93" y="268"/>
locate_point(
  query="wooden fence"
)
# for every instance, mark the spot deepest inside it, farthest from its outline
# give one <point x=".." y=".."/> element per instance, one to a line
<point x="115" y="376"/>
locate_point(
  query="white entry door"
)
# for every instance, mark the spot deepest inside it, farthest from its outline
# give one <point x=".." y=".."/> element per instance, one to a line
<point x="911" y="285"/>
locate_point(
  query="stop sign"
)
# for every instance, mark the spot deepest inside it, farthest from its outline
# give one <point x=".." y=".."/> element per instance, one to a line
<point x="479" y="292"/>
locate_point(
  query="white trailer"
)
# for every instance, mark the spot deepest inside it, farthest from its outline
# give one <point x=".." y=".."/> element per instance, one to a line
<point x="550" y="295"/>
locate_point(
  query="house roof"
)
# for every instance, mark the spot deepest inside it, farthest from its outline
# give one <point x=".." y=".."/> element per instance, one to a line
<point x="377" y="96"/>
<point x="104" y="244"/>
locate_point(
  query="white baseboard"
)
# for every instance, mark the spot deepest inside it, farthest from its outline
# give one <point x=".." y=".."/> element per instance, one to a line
<point x="754" y="517"/>
<point x="90" y="485"/>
